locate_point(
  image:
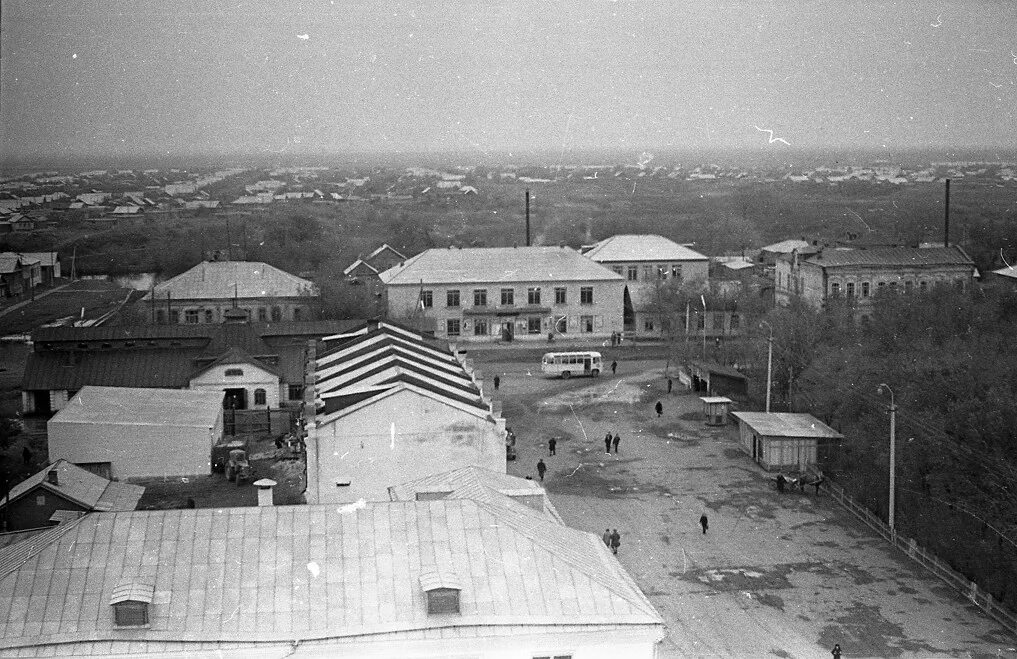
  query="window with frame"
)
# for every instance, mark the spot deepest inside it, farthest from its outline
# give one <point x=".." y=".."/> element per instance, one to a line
<point x="130" y="614"/>
<point x="560" y="295"/>
<point x="174" y="316"/>
<point x="508" y="297"/>
<point x="586" y="324"/>
<point x="532" y="296"/>
<point x="259" y="397"/>
<point x="191" y="316"/>
<point x="881" y="285"/>
<point x="295" y="391"/>
<point x="648" y="325"/>
<point x="209" y="316"/>
<point x="443" y="600"/>
<point x="262" y="314"/>
<point x="160" y="316"/>
<point x="480" y="327"/>
<point x="586" y="295"/>
<point x="40" y="499"/>
<point x="480" y="297"/>
<point x="533" y="325"/>
<point x="850" y="289"/>
<point x="661" y="272"/>
<point x="633" y="273"/>
<point x="647" y="273"/>
<point x="276" y="314"/>
<point x="296" y="313"/>
<point x="676" y="271"/>
<point x="736" y="321"/>
<point x="700" y="321"/>
<point x="865" y="289"/>
<point x="618" y="269"/>
<point x="834" y="289"/>
<point x="234" y="373"/>
<point x="923" y="286"/>
<point x="452" y="298"/>
<point x="909" y="286"/>
<point x="453" y="326"/>
<point x="427" y="299"/>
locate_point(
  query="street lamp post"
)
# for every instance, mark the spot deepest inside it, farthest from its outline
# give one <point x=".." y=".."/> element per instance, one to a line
<point x="703" y="298"/>
<point x="769" y="363"/>
<point x="893" y="455"/>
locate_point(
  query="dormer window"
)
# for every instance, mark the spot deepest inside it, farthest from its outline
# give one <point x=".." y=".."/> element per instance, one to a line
<point x="442" y="590"/>
<point x="131" y="601"/>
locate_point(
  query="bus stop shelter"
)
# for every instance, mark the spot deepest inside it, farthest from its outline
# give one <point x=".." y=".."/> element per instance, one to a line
<point x="715" y="408"/>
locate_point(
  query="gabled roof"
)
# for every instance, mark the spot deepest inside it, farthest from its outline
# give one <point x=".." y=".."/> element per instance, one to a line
<point x="222" y="280"/>
<point x="236" y="355"/>
<point x="640" y="247"/>
<point x="1009" y="272"/>
<point x="142" y="407"/>
<point x="359" y="264"/>
<point x="80" y="486"/>
<point x="303" y="567"/>
<point x="892" y="256"/>
<point x="497" y="265"/>
<point x="44" y="258"/>
<point x="383" y="248"/>
<point x="787" y="424"/>
<point x="786" y="246"/>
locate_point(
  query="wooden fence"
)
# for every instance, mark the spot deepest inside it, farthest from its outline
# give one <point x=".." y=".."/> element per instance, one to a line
<point x="931" y="562"/>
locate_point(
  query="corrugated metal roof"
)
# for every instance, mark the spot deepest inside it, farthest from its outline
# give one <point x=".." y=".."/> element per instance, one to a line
<point x="497" y="265"/>
<point x="892" y="256"/>
<point x="222" y="280"/>
<point x="80" y="486"/>
<point x="641" y="247"/>
<point x="137" y="406"/>
<point x="302" y="576"/>
<point x="786" y="424"/>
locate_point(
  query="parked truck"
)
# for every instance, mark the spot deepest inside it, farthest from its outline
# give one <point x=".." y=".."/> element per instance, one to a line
<point x="221" y="451"/>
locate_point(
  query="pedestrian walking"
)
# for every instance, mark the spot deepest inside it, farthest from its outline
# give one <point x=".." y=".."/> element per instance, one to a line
<point x="659" y="407"/>
<point x="704" y="522"/>
<point x="614" y="368"/>
<point x="26" y="455"/>
<point x="541" y="469"/>
<point x="616" y="441"/>
<point x="607" y="442"/>
<point x="780" y="483"/>
<point x="497" y="382"/>
<point x="607" y="537"/>
<point x="670" y="385"/>
<point x="615" y="541"/>
<point x="817" y="483"/>
<point x="835" y="651"/>
<point x="552" y="444"/>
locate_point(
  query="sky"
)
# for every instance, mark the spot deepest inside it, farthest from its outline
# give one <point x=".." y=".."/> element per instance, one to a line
<point x="198" y="77"/>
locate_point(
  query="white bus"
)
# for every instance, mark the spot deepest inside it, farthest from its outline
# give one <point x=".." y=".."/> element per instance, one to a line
<point x="567" y="364"/>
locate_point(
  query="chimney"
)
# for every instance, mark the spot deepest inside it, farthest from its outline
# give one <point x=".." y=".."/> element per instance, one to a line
<point x="265" y="486"/>
<point x="53" y="477"/>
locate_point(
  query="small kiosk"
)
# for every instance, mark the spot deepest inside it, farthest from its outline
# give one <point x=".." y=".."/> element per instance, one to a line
<point x="716" y="408"/>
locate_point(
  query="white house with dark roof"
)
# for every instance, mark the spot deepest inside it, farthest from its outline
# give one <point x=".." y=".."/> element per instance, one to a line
<point x="507" y="293"/>
<point x="62" y="487"/>
<point x="647" y="262"/>
<point x="486" y="577"/>
<point x="206" y="292"/>
<point x="854" y="276"/>
<point x="392" y="406"/>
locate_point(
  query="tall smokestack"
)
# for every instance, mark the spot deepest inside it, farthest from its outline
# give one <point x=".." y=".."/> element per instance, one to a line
<point x="946" y="217"/>
<point x="527" y="217"/>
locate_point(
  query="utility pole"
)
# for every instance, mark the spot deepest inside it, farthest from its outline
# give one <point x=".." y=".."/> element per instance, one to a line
<point x="703" y="298"/>
<point x="527" y="217"/>
<point x="769" y="364"/>
<point x="946" y="216"/>
<point x="893" y="459"/>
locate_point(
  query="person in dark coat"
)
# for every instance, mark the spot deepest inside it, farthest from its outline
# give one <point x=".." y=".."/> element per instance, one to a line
<point x="670" y="385"/>
<point x="704" y="522"/>
<point x="835" y="651"/>
<point x="607" y="537"/>
<point x="607" y="443"/>
<point x="615" y="541"/>
<point x="659" y="407"/>
<point x="616" y="441"/>
<point x="541" y="469"/>
<point x="614" y="367"/>
<point x="552" y="445"/>
<point x="26" y="455"/>
<point x="497" y="382"/>
<point x="780" y="483"/>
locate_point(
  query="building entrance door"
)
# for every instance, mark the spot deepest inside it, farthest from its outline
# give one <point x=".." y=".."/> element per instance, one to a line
<point x="235" y="399"/>
<point x="507" y="330"/>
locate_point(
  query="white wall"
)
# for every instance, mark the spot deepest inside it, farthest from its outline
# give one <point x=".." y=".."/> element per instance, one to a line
<point x="430" y="437"/>
<point x="214" y="379"/>
<point x="135" y="451"/>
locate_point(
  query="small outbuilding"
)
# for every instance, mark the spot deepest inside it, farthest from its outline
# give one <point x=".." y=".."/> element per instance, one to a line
<point x="717" y="380"/>
<point x="782" y="440"/>
<point x="122" y="432"/>
<point x="715" y="409"/>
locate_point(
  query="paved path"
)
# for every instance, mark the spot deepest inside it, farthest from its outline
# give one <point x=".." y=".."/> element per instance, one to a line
<point x="776" y="575"/>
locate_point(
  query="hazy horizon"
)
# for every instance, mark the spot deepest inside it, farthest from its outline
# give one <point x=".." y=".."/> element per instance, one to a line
<point x="136" y="79"/>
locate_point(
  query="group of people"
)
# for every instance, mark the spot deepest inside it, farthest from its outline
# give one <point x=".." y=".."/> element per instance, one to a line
<point x="610" y="441"/>
<point x="612" y="539"/>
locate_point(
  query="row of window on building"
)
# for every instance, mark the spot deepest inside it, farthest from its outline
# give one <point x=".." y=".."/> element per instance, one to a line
<point x="532" y="325"/>
<point x="453" y="297"/>
<point x="196" y="316"/>
<point x="650" y="272"/>
<point x="865" y="290"/>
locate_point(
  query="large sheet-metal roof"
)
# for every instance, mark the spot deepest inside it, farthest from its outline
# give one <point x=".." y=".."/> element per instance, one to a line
<point x="142" y="407"/>
<point x="787" y="425"/>
<point x="223" y="280"/>
<point x="641" y="248"/>
<point x="892" y="256"/>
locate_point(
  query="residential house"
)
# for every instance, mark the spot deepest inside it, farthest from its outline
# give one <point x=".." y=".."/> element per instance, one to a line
<point x="854" y="276"/>
<point x="63" y="491"/>
<point x="206" y="292"/>
<point x="647" y="262"/>
<point x="392" y="405"/>
<point x="49" y="266"/>
<point x="492" y="293"/>
<point x="783" y="440"/>
<point x="484" y="577"/>
<point x="253" y="365"/>
<point x="19" y="274"/>
<point x="769" y="255"/>
<point x="368" y="267"/>
<point x="121" y="432"/>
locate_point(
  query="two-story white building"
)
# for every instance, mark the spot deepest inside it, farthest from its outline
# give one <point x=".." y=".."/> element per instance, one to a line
<point x="856" y="275"/>
<point x="647" y="262"/>
<point x="506" y="293"/>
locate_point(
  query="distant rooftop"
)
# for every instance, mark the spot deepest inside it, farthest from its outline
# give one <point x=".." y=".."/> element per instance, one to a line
<point x="81" y="486"/>
<point x="787" y="424"/>
<point x="226" y="279"/>
<point x="640" y="247"/>
<point x="892" y="256"/>
<point x="130" y="406"/>
<point x="497" y="265"/>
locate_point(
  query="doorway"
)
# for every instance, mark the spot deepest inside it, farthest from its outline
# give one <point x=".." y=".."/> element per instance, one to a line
<point x="507" y="331"/>
<point x="235" y="399"/>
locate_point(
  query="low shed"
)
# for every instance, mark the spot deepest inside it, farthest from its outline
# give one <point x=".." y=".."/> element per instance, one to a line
<point x="782" y="440"/>
<point x="718" y="380"/>
<point x="122" y="433"/>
